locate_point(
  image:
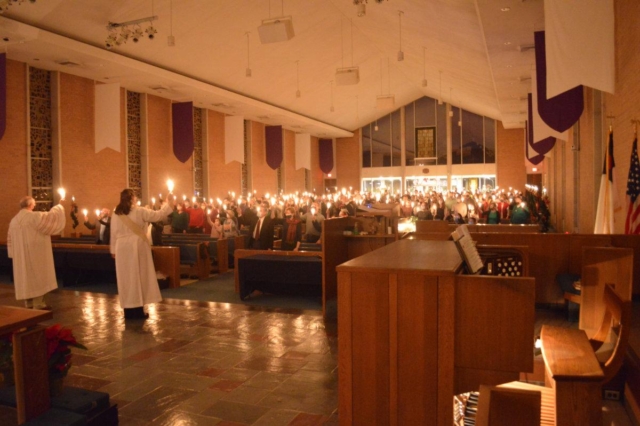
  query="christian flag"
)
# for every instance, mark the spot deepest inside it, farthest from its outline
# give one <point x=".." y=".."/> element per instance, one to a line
<point x="606" y="200"/>
<point x="632" y="224"/>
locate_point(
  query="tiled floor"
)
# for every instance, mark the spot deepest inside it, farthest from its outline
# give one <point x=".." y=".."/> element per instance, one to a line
<point x="195" y="363"/>
<point x="200" y="363"/>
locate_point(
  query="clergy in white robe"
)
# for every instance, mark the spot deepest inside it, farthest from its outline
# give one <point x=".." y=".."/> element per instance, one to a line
<point x="135" y="271"/>
<point x="29" y="245"/>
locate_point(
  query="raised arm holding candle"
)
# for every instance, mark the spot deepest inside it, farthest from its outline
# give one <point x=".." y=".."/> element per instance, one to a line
<point x="29" y="245"/>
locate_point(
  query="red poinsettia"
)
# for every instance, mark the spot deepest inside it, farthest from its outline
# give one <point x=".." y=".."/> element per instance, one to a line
<point x="59" y="339"/>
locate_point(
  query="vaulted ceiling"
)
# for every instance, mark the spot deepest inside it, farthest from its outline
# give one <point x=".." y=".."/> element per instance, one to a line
<point x="473" y="53"/>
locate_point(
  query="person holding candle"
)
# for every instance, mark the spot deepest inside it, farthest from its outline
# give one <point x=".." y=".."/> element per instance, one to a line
<point x="103" y="226"/>
<point x="135" y="271"/>
<point x="29" y="245"/>
<point x="179" y="219"/>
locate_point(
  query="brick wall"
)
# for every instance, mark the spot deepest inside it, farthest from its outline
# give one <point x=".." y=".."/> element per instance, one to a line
<point x="95" y="179"/>
<point x="347" y="161"/>
<point x="163" y="164"/>
<point x="510" y="157"/>
<point x="222" y="177"/>
<point x="13" y="162"/>
<point x="264" y="178"/>
<point x="317" y="177"/>
<point x="293" y="179"/>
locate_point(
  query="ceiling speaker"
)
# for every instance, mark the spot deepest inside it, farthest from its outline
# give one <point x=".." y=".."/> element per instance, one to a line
<point x="347" y="76"/>
<point x="276" y="30"/>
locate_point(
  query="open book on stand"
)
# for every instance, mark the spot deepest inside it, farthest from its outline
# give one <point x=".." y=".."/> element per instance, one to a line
<point x="467" y="248"/>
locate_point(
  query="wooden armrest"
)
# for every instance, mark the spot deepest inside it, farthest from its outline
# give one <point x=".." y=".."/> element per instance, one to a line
<point x="568" y="355"/>
<point x="575" y="298"/>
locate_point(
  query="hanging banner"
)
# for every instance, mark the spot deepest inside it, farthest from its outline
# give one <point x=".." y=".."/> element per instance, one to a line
<point x="540" y="129"/>
<point x="563" y="110"/>
<point x="107" y="116"/>
<point x="3" y="94"/>
<point x="273" y="145"/>
<point x="541" y="146"/>
<point x="182" y="119"/>
<point x="233" y="139"/>
<point x="580" y="47"/>
<point x="326" y="155"/>
<point x="303" y="151"/>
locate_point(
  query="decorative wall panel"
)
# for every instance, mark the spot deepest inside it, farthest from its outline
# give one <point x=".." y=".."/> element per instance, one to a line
<point x="40" y="138"/>
<point x="134" y="142"/>
<point x="198" y="164"/>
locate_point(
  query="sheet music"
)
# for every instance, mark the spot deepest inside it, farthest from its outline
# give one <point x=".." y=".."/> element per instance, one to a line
<point x="467" y="248"/>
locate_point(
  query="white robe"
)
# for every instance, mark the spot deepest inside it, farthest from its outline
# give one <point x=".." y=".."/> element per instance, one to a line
<point x="29" y="245"/>
<point x="135" y="271"/>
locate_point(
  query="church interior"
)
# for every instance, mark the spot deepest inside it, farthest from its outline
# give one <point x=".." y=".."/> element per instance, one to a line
<point x="314" y="99"/>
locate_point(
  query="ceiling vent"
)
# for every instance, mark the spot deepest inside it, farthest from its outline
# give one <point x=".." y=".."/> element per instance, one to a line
<point x="276" y="30"/>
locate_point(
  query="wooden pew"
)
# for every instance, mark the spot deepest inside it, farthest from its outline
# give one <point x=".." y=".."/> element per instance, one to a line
<point x="507" y="407"/>
<point x="574" y="374"/>
<point x="168" y="258"/>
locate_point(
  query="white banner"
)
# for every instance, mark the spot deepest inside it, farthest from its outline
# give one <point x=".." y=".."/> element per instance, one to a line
<point x="107" y="116"/>
<point x="233" y="139"/>
<point x="541" y="130"/>
<point x="580" y="45"/>
<point x="303" y="151"/>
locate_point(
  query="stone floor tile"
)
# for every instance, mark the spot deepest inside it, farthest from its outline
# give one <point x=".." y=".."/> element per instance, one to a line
<point x="235" y="412"/>
<point x="306" y="419"/>
<point x="185" y="419"/>
<point x="160" y="401"/>
<point x="276" y="417"/>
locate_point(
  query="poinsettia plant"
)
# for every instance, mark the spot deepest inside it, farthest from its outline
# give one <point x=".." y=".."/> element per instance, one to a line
<point x="59" y="341"/>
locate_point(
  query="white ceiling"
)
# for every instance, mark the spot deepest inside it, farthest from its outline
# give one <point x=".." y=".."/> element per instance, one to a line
<point x="471" y="54"/>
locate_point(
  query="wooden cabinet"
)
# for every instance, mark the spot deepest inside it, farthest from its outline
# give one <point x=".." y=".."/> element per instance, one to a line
<point x="403" y="350"/>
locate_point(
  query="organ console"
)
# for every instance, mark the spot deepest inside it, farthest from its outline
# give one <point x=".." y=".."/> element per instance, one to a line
<point x="414" y="330"/>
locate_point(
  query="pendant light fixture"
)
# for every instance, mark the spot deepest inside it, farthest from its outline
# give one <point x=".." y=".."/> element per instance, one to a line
<point x="331" y="108"/>
<point x="171" y="40"/>
<point x="424" y="66"/>
<point x="400" y="52"/>
<point x="298" y="94"/>
<point x="248" y="70"/>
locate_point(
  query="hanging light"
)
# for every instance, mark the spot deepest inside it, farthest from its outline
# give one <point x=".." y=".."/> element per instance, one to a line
<point x="248" y="70"/>
<point x="400" y="52"/>
<point x="424" y="66"/>
<point x="298" y="94"/>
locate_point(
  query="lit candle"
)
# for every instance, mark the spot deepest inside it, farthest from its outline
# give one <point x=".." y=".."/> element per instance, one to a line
<point x="73" y="199"/>
<point x="153" y="200"/>
<point x="170" y="185"/>
<point x="328" y="206"/>
<point x="97" y="212"/>
<point x="211" y="201"/>
<point x="85" y="212"/>
<point x="193" y="199"/>
<point x="184" y="197"/>
<point x="208" y="211"/>
<point x="139" y="203"/>
<point x="62" y="193"/>
<point x="160" y="196"/>
<point x="266" y="195"/>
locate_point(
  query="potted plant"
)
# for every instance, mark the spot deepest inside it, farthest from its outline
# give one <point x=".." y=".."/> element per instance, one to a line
<point x="59" y="341"/>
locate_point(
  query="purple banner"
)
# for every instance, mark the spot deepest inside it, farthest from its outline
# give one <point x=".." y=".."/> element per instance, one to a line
<point x="273" y="144"/>
<point x="3" y="94"/>
<point x="559" y="112"/>
<point x="182" y="117"/>
<point x="536" y="159"/>
<point x="543" y="146"/>
<point x="326" y="155"/>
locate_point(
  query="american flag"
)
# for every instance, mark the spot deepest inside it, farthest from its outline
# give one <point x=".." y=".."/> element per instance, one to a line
<point x="632" y="224"/>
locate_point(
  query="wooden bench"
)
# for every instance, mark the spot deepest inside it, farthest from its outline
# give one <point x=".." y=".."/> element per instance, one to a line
<point x="574" y="374"/>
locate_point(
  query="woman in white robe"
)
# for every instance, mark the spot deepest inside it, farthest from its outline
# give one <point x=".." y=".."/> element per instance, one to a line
<point x="135" y="271"/>
<point x="29" y="245"/>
